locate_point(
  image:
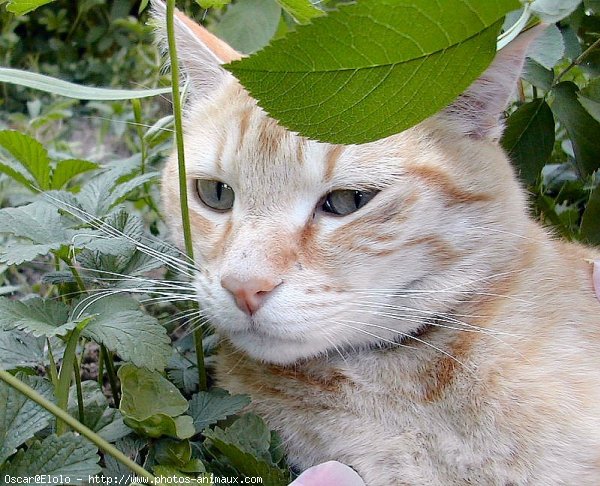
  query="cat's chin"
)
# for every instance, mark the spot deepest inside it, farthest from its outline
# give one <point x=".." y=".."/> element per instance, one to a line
<point x="273" y="349"/>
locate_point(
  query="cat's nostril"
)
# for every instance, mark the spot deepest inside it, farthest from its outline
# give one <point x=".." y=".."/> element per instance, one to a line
<point x="249" y="294"/>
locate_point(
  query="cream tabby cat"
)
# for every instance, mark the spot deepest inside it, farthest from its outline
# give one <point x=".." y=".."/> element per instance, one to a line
<point x="390" y="305"/>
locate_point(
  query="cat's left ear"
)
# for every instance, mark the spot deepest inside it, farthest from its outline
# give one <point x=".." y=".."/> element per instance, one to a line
<point x="478" y="112"/>
<point x="199" y="52"/>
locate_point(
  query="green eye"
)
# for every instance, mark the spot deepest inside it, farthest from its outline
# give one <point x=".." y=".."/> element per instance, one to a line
<point x="346" y="201"/>
<point x="215" y="194"/>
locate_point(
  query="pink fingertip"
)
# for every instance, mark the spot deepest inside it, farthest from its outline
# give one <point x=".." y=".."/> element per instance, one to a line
<point x="331" y="473"/>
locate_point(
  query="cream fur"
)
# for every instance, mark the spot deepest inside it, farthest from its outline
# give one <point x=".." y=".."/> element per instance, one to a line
<point x="502" y="388"/>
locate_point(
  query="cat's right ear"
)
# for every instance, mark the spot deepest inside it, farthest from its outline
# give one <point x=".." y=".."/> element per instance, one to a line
<point x="199" y="52"/>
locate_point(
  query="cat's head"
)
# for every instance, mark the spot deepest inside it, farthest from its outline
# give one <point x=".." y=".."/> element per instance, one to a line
<point x="303" y="247"/>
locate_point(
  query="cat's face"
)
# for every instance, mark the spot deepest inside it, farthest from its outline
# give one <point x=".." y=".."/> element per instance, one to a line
<point x="305" y="248"/>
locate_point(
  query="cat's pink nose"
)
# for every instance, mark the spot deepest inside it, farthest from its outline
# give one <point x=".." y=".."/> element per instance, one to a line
<point x="249" y="294"/>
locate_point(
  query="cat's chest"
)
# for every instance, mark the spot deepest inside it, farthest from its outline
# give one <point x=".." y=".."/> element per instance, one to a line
<point x="371" y="417"/>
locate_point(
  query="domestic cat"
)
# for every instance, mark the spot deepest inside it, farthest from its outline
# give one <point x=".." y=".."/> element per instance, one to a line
<point x="390" y="305"/>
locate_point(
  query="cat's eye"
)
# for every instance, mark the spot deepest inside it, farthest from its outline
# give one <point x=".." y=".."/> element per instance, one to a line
<point x="215" y="194"/>
<point x="346" y="201"/>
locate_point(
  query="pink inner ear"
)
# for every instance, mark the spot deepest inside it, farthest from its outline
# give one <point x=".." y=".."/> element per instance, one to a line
<point x="331" y="473"/>
<point x="478" y="110"/>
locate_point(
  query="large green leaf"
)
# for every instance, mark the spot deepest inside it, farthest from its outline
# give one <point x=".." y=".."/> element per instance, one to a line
<point x="21" y="7"/>
<point x="589" y="97"/>
<point x="66" y="170"/>
<point x="152" y="405"/>
<point x="71" y="90"/>
<point x="302" y="10"/>
<point x="20" y="418"/>
<point x="249" y="25"/>
<point x="529" y="138"/>
<point x="30" y="153"/>
<point x="207" y="408"/>
<point x="18" y="350"/>
<point x="590" y="223"/>
<point x="548" y="48"/>
<point x="582" y="129"/>
<point x="36" y="316"/>
<point x="123" y="328"/>
<point x="38" y="222"/>
<point x="72" y="456"/>
<point x="372" y="69"/>
<point x="246" y="444"/>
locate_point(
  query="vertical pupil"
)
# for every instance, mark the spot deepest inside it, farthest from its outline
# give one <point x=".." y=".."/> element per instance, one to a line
<point x="357" y="198"/>
<point x="219" y="190"/>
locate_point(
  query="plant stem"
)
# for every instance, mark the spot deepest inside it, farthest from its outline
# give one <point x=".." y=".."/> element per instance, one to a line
<point x="75" y="274"/>
<point x="577" y="61"/>
<point x="64" y="380"/>
<point x="185" y="215"/>
<point x="75" y="425"/>
<point x="52" y="368"/>
<point x="80" y="409"/>
<point x="112" y="375"/>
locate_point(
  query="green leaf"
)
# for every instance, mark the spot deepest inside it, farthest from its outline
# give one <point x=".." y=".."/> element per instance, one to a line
<point x="246" y="445"/>
<point x="152" y="405"/>
<point x="529" y="138"/>
<point x="249" y="25"/>
<point x="36" y="316"/>
<point x="30" y="153"/>
<point x="21" y="7"/>
<point x="589" y="97"/>
<point x="552" y="11"/>
<point x="20" y="418"/>
<point x="207" y="408"/>
<point x="39" y="222"/>
<point x="373" y="69"/>
<point x="213" y="3"/>
<point x="95" y="405"/>
<point x="548" y="48"/>
<point x="66" y="170"/>
<point x="303" y="11"/>
<point x="537" y="75"/>
<point x="123" y="328"/>
<point x="146" y="393"/>
<point x="69" y="455"/>
<point x="20" y="350"/>
<point x="72" y="90"/>
<point x="183" y="373"/>
<point x="590" y="222"/>
<point x="121" y="191"/>
<point x="582" y="129"/>
<point x="17" y="173"/>
<point x="173" y="452"/>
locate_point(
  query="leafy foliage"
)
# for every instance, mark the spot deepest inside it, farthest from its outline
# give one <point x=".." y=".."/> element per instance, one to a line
<point x="20" y="418"/>
<point x="341" y="87"/>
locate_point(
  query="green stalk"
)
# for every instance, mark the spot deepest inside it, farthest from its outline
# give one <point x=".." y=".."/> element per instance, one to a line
<point x="53" y="370"/>
<point x="576" y="62"/>
<point x="64" y="380"/>
<point x="75" y="425"/>
<point x="80" y="409"/>
<point x="185" y="214"/>
<point x="112" y="375"/>
<point x="100" y="369"/>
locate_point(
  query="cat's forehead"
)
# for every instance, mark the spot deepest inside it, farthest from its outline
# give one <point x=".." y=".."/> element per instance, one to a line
<point x="231" y="139"/>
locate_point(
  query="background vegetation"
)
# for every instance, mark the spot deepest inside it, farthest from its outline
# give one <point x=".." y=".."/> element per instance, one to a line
<point x="97" y="308"/>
